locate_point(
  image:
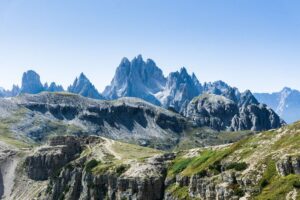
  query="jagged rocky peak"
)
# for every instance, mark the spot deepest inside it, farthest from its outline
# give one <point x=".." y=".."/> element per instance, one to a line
<point x="31" y="83"/>
<point x="136" y="78"/>
<point x="285" y="102"/>
<point x="55" y="88"/>
<point x="84" y="87"/>
<point x="2" y="92"/>
<point x="222" y="88"/>
<point x="180" y="89"/>
<point x="247" y="98"/>
<point x="222" y="113"/>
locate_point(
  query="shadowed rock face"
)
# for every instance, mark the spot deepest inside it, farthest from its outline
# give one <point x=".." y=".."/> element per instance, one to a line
<point x="54" y="88"/>
<point x="221" y="113"/>
<point x="84" y="87"/>
<point x="128" y="119"/>
<point x="47" y="160"/>
<point x="141" y="181"/>
<point x="31" y="83"/>
<point x="289" y="164"/>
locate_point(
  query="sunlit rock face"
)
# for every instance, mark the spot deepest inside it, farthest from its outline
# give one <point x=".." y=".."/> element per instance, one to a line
<point x="136" y="78"/>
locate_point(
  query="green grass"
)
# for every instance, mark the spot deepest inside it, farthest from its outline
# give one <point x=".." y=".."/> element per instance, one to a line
<point x="131" y="151"/>
<point x="210" y="157"/>
<point x="275" y="187"/>
<point x="178" y="166"/>
<point x="110" y="168"/>
<point x="91" y="164"/>
<point x="237" y="166"/>
<point x="279" y="187"/>
<point x="181" y="193"/>
<point x="7" y="136"/>
<point x="208" y="160"/>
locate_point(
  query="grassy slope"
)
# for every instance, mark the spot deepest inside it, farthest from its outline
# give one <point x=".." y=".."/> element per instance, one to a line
<point x="113" y="156"/>
<point x="260" y="151"/>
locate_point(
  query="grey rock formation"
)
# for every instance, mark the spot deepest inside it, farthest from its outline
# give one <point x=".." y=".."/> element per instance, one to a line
<point x="73" y="180"/>
<point x="2" y="92"/>
<point x="221" y="113"/>
<point x="286" y="103"/>
<point x="180" y="89"/>
<point x="212" y="110"/>
<point x="31" y="83"/>
<point x="256" y="118"/>
<point x="48" y="159"/>
<point x="129" y="119"/>
<point x="136" y="79"/>
<point x="84" y="185"/>
<point x="222" y="88"/>
<point x="54" y="88"/>
<point x="84" y="87"/>
<point x="289" y="164"/>
<point x="14" y="91"/>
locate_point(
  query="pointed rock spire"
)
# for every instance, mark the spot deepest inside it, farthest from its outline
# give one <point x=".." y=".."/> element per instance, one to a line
<point x="84" y="87"/>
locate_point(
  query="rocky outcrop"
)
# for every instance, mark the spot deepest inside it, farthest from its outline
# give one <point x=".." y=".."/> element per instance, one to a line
<point x="226" y="185"/>
<point x="31" y="83"/>
<point x="289" y="164"/>
<point x="140" y="181"/>
<point x="136" y="78"/>
<point x="223" y="89"/>
<point x="54" y="88"/>
<point x="48" y="159"/>
<point x="221" y="113"/>
<point x="213" y="111"/>
<point x="256" y="118"/>
<point x="84" y="87"/>
<point x="180" y="89"/>
<point x="8" y="164"/>
<point x="124" y="119"/>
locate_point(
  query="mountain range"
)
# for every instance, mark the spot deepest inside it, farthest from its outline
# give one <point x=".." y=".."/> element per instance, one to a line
<point x="146" y="136"/>
<point x="145" y="80"/>
<point x="285" y="102"/>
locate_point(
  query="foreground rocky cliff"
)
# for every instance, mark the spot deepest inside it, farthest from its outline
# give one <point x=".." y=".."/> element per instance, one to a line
<point x="263" y="166"/>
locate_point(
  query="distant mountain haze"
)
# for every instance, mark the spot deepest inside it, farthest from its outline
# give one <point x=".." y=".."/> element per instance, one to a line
<point x="285" y="102"/>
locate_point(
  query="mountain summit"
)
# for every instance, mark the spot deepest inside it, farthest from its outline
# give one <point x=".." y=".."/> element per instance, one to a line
<point x="136" y="78"/>
<point x="31" y="83"/>
<point x="84" y="87"/>
<point x="180" y="89"/>
<point x="285" y="102"/>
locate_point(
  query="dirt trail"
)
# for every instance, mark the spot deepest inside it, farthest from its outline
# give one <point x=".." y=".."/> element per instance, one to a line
<point x="108" y="145"/>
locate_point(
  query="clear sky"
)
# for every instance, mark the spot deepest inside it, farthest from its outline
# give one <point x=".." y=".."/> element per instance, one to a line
<point x="251" y="44"/>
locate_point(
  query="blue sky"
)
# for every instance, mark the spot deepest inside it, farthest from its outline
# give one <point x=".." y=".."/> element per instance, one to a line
<point x="251" y="44"/>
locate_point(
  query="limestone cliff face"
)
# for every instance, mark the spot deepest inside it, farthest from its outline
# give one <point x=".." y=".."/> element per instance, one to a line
<point x="72" y="177"/>
<point x="255" y="167"/>
<point x="83" y="184"/>
<point x="289" y="164"/>
<point x="48" y="159"/>
<point x="127" y="119"/>
<point x="221" y="113"/>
